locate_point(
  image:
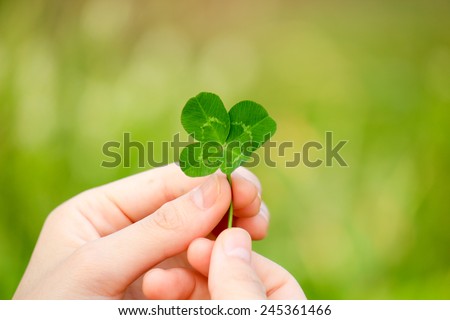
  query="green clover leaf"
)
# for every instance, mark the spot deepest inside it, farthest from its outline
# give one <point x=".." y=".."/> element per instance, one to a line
<point x="205" y="118"/>
<point x="225" y="140"/>
<point x="251" y="126"/>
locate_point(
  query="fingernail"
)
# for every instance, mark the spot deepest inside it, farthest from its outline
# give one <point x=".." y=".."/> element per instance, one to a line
<point x="237" y="243"/>
<point x="206" y="195"/>
<point x="264" y="211"/>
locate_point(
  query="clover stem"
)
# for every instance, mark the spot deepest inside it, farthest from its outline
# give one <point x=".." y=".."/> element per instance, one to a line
<point x="230" y="210"/>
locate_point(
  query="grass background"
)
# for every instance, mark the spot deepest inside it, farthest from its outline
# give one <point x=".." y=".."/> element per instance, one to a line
<point x="75" y="74"/>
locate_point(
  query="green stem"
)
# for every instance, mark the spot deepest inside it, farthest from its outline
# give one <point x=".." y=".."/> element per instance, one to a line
<point x="230" y="210"/>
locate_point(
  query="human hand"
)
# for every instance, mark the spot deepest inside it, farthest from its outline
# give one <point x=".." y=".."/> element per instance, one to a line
<point x="224" y="269"/>
<point x="100" y="244"/>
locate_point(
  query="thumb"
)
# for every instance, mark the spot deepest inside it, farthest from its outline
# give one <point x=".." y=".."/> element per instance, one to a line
<point x="231" y="274"/>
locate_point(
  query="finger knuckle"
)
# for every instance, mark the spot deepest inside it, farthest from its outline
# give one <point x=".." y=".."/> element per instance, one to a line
<point x="169" y="217"/>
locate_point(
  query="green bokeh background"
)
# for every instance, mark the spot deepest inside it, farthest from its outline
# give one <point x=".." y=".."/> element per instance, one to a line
<point x="75" y="74"/>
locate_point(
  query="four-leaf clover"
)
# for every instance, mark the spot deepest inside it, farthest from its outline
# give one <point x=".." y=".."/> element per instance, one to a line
<point x="225" y="139"/>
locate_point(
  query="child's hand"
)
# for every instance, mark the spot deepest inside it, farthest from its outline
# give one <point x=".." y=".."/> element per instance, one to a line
<point x="101" y="243"/>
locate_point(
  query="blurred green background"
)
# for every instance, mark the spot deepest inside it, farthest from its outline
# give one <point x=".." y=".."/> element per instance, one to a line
<point x="75" y="74"/>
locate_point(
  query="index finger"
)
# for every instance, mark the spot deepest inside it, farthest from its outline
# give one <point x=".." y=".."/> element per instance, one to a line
<point x="125" y="201"/>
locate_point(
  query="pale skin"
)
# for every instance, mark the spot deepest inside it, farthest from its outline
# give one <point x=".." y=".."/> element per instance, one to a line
<point x="152" y="236"/>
